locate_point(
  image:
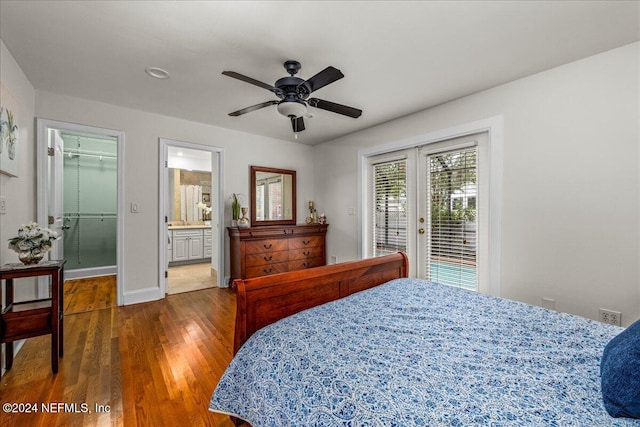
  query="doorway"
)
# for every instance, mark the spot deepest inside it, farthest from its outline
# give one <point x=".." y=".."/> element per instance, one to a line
<point x="80" y="197"/>
<point x="190" y="214"/>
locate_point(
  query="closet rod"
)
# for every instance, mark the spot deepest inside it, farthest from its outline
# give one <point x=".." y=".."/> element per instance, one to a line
<point x="89" y="215"/>
<point x="81" y="153"/>
<point x="79" y="137"/>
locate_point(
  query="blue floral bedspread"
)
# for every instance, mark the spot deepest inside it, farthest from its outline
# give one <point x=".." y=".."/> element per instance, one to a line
<point x="416" y="353"/>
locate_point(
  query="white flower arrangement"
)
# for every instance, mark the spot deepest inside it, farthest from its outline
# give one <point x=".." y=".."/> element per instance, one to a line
<point x="205" y="209"/>
<point x="32" y="238"/>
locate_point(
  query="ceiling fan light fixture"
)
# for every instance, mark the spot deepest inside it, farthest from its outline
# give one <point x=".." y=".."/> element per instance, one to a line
<point x="292" y="108"/>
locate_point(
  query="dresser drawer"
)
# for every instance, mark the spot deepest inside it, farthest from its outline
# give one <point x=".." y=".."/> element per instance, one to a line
<point x="305" y="242"/>
<point x="305" y="253"/>
<point x="263" y="270"/>
<point x="26" y="319"/>
<point x="305" y="263"/>
<point x="261" y="246"/>
<point x="264" y="258"/>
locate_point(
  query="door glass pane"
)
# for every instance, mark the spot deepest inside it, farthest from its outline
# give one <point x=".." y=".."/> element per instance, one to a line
<point x="390" y="207"/>
<point x="452" y="245"/>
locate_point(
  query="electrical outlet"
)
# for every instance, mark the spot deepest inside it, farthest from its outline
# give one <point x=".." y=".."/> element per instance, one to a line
<point x="611" y="317"/>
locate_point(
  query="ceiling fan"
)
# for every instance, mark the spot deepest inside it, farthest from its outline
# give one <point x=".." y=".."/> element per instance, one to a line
<point x="293" y="93"/>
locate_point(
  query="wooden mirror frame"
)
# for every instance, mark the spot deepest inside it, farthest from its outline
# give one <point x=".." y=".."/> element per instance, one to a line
<point x="254" y="222"/>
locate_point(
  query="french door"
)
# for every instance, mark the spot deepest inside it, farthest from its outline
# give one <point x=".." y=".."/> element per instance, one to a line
<point x="431" y="202"/>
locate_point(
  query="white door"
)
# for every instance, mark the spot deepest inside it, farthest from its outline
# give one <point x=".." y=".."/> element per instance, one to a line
<point x="55" y="146"/>
<point x="452" y="212"/>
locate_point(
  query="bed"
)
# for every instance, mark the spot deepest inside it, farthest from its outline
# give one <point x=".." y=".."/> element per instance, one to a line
<point x="379" y="349"/>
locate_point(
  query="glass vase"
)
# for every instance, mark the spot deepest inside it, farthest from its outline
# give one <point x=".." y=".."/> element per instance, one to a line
<point x="244" y="221"/>
<point x="30" y="257"/>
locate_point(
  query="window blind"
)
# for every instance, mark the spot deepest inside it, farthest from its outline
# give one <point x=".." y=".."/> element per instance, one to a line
<point x="452" y="243"/>
<point x="390" y="207"/>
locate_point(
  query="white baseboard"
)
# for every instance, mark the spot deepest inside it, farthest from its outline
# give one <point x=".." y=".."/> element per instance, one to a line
<point x="83" y="273"/>
<point x="142" y="295"/>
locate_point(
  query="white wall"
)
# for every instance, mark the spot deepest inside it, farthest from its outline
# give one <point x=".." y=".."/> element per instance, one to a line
<point x="142" y="130"/>
<point x="20" y="192"/>
<point x="571" y="181"/>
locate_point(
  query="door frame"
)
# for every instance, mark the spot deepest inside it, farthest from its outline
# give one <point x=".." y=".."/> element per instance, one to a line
<point x="494" y="126"/>
<point x="163" y="192"/>
<point x="43" y="174"/>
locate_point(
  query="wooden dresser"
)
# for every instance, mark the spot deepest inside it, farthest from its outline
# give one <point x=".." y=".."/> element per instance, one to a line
<point x="263" y="250"/>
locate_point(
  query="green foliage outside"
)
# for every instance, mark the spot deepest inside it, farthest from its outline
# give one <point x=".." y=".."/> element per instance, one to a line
<point x="449" y="173"/>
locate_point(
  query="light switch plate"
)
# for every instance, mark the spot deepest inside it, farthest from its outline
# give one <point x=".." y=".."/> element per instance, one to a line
<point x="3" y="205"/>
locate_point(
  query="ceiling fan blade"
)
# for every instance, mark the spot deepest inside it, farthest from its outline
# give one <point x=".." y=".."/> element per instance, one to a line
<point x="251" y="81"/>
<point x="323" y="78"/>
<point x="335" y="108"/>
<point x="297" y="124"/>
<point x="252" y="108"/>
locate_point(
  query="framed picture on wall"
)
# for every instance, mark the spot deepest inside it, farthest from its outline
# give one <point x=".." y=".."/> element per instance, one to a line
<point x="9" y="136"/>
<point x="206" y="198"/>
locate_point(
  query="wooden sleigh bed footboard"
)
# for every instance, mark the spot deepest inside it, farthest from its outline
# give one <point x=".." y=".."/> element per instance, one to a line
<point x="264" y="300"/>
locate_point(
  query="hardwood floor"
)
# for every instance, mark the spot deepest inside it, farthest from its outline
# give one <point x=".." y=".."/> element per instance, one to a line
<point x="151" y="364"/>
<point x="90" y="294"/>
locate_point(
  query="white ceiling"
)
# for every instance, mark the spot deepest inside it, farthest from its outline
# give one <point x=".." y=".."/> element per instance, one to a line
<point x="397" y="57"/>
<point x="186" y="158"/>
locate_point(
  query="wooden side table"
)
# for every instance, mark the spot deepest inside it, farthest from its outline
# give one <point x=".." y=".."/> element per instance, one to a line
<point x="28" y="319"/>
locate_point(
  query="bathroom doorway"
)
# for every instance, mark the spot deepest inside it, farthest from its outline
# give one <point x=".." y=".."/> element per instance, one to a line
<point x="190" y="238"/>
<point x="80" y="197"/>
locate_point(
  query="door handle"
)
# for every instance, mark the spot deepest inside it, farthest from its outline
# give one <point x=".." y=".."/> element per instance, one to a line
<point x="421" y="230"/>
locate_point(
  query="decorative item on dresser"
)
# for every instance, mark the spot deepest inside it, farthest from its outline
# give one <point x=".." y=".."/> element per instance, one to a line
<point x="263" y="250"/>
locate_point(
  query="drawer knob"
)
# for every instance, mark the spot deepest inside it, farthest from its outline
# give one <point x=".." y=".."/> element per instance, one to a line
<point x="306" y="242"/>
<point x="268" y="246"/>
<point x="306" y="253"/>
<point x="268" y="270"/>
<point x="305" y="264"/>
<point x="267" y="258"/>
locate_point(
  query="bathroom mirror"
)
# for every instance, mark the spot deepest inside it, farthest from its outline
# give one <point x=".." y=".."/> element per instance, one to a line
<point x="273" y="196"/>
<point x="189" y="193"/>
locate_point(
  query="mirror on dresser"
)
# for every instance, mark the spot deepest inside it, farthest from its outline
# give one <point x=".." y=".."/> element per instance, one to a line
<point x="273" y="196"/>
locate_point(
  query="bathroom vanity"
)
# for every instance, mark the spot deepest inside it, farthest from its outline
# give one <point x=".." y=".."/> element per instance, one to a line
<point x="189" y="243"/>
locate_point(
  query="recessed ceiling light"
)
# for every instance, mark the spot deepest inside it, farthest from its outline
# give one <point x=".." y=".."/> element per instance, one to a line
<point x="157" y="73"/>
<point x="180" y="153"/>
